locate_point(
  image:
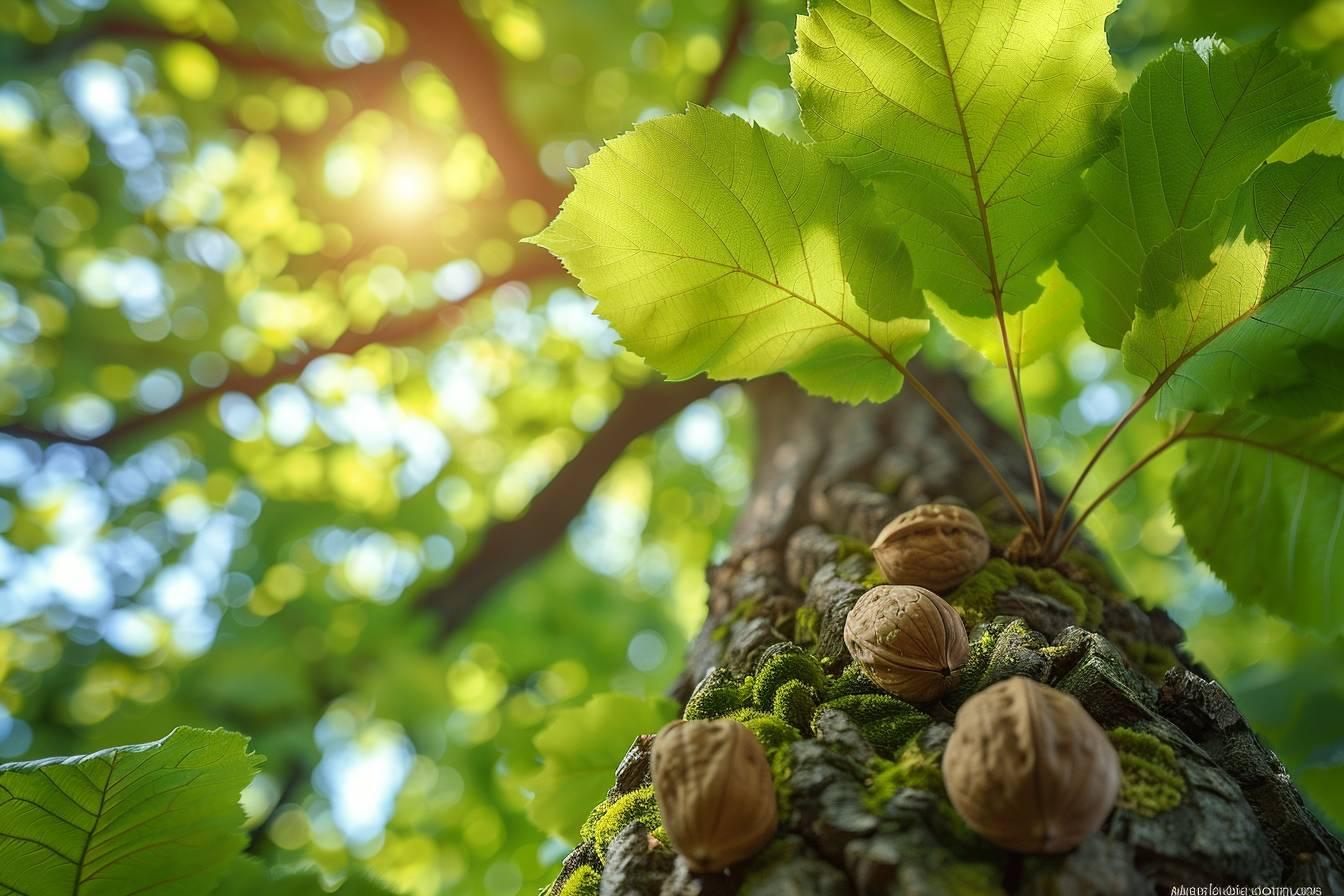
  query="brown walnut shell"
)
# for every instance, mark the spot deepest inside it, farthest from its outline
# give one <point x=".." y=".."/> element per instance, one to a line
<point x="909" y="640"/>
<point x="1029" y="769"/>
<point x="714" y="790"/>
<point x="934" y="546"/>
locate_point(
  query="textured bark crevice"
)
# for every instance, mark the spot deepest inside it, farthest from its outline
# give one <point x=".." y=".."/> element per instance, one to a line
<point x="864" y="811"/>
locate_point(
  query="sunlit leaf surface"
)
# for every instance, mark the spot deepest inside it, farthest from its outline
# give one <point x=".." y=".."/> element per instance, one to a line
<point x="1197" y="122"/>
<point x="712" y="245"/>
<point x="1229" y="308"/>
<point x="978" y="118"/>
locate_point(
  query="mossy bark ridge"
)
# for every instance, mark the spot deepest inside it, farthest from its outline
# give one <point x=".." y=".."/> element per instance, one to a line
<point x="862" y="806"/>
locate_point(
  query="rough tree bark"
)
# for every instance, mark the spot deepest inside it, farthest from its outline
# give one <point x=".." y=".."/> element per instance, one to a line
<point x="862" y="805"/>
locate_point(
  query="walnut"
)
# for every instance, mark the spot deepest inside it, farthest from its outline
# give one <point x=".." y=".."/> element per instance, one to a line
<point x="714" y="790"/>
<point x="935" y="546"/>
<point x="908" y="640"/>
<point x="1029" y="769"/>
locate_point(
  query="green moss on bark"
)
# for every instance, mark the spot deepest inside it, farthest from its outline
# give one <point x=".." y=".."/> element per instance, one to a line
<point x="795" y="702"/>
<point x="775" y="736"/>
<point x="590" y="824"/>
<point x="974" y="599"/>
<point x="913" y="767"/>
<point x="585" y="881"/>
<point x="744" y="610"/>
<point x="1093" y="567"/>
<point x="638" y="805"/>
<point x="850" y="682"/>
<point x="851" y="547"/>
<point x="720" y="695"/>
<point x="967" y="879"/>
<point x="884" y="721"/>
<point x="873" y="579"/>
<point x="783" y="664"/>
<point x="1150" y="778"/>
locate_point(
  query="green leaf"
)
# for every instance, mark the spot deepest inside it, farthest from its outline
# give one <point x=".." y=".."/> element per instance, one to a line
<point x="712" y="245"/>
<point x="978" y="118"/>
<point x="1199" y="120"/>
<point x="1262" y="503"/>
<point x="1032" y="332"/>
<point x="1244" y="305"/>
<point x="1324" y="137"/>
<point x="580" y="748"/>
<point x="249" y="877"/>
<point x="159" y="818"/>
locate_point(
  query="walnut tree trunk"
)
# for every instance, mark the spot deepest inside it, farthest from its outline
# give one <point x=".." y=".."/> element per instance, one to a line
<point x="862" y="808"/>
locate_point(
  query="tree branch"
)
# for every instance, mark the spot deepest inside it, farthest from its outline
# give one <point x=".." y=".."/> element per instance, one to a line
<point x="732" y="49"/>
<point x="240" y="58"/>
<point x="509" y="546"/>
<point x="401" y="330"/>
<point x="441" y="33"/>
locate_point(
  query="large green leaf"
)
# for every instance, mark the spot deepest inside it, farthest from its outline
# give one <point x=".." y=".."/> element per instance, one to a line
<point x="977" y="117"/>
<point x="1246" y="305"/>
<point x="712" y="245"/>
<point x="1262" y="503"/>
<point x="579" y="748"/>
<point x="159" y="818"/>
<point x="1199" y="120"/>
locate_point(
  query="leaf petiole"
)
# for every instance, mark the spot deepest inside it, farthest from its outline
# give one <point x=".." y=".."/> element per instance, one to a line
<point x="1072" y="532"/>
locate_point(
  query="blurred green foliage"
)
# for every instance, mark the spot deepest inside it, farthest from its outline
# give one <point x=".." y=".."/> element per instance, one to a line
<point x="579" y="748"/>
<point x="261" y="256"/>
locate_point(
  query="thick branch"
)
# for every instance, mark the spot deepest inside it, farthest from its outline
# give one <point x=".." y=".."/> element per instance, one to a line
<point x="732" y="49"/>
<point x="829" y="474"/>
<point x="394" y="331"/>
<point x="437" y="33"/>
<point x="509" y="546"/>
<point x="443" y="34"/>
<point x="236" y="57"/>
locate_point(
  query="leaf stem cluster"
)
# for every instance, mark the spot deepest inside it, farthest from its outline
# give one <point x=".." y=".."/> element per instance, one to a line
<point x="1049" y="530"/>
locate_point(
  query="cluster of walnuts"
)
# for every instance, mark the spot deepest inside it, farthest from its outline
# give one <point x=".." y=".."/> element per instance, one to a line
<point x="1026" y="766"/>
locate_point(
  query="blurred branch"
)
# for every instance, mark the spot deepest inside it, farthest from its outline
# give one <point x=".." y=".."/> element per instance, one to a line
<point x="400" y="330"/>
<point x="509" y="546"/>
<point x="443" y="34"/>
<point x="440" y="34"/>
<point x="238" y="58"/>
<point x="732" y="49"/>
